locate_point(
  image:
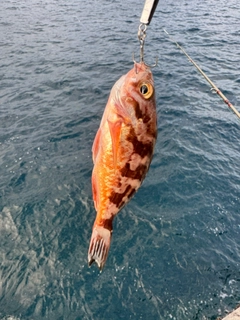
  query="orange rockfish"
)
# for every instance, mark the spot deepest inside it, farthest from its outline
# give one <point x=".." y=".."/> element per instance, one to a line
<point x="122" y="152"/>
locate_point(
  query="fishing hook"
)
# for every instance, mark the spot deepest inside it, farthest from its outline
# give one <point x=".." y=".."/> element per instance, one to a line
<point x="146" y="17"/>
<point x="141" y="37"/>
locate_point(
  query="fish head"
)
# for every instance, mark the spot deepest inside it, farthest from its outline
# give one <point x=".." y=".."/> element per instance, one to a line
<point x="139" y="83"/>
<point x="134" y="93"/>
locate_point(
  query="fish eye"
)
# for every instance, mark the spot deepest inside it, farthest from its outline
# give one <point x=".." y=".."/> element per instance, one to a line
<point x="146" y="90"/>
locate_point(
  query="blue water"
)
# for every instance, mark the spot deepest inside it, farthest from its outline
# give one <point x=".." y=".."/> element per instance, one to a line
<point x="175" y="252"/>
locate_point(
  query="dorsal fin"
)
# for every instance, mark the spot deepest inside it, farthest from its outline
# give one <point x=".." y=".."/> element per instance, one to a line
<point x="95" y="147"/>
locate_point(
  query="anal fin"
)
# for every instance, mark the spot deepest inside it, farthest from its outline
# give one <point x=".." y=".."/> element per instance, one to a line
<point x="95" y="191"/>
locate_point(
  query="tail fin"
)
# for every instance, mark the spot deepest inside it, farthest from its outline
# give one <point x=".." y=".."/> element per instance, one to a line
<point x="99" y="246"/>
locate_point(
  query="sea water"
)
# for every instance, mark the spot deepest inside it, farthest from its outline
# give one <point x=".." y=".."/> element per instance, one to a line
<point x="175" y="251"/>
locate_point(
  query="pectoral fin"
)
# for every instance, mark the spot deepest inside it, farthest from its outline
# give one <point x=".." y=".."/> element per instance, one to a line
<point x="115" y="131"/>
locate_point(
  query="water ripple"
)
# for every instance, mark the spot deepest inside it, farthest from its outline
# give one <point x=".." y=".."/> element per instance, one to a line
<point x="175" y="248"/>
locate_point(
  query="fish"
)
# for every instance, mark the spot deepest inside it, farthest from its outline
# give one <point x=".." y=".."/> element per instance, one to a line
<point x="122" y="152"/>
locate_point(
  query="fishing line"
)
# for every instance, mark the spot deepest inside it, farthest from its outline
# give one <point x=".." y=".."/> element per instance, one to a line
<point x="214" y="87"/>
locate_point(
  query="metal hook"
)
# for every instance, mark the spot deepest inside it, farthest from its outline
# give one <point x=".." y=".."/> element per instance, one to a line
<point x="141" y="36"/>
<point x="147" y="14"/>
<point x="141" y="61"/>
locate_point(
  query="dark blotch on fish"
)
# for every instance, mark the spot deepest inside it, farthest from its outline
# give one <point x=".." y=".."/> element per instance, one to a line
<point x="139" y="114"/>
<point x="108" y="224"/>
<point x="143" y="149"/>
<point x="138" y="111"/>
<point x="117" y="198"/>
<point x="138" y="173"/>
